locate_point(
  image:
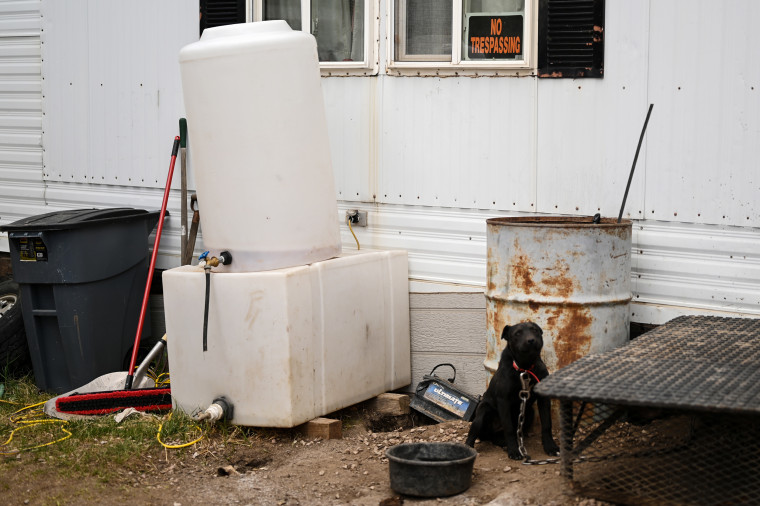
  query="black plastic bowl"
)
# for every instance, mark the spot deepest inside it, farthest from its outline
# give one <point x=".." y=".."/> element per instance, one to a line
<point x="431" y="469"/>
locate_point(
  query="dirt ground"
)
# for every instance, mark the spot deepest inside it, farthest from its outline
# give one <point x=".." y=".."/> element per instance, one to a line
<point x="280" y="467"/>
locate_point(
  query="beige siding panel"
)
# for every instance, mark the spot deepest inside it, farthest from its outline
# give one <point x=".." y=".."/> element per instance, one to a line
<point x="471" y="375"/>
<point x="442" y="331"/>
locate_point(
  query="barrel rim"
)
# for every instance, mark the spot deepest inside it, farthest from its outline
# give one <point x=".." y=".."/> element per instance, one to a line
<point x="557" y="221"/>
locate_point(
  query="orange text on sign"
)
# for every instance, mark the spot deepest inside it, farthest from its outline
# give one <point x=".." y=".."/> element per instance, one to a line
<point x="495" y="43"/>
<point x="490" y="45"/>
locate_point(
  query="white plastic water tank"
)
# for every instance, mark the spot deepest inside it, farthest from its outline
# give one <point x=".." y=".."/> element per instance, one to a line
<point x="257" y="135"/>
<point x="289" y="345"/>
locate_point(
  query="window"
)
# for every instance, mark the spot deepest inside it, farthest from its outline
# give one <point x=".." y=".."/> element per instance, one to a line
<point x="476" y="34"/>
<point x="345" y="30"/>
<point x="423" y="30"/>
<point x="548" y="38"/>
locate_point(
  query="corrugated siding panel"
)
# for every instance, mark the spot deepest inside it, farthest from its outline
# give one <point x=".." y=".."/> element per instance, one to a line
<point x="112" y="88"/>
<point x="22" y="189"/>
<point x="443" y="245"/>
<point x="698" y="266"/>
<point x="704" y="137"/>
<point x="713" y="268"/>
<point x="20" y="18"/>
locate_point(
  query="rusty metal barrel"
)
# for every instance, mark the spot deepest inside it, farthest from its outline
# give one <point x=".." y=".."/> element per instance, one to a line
<point x="567" y="274"/>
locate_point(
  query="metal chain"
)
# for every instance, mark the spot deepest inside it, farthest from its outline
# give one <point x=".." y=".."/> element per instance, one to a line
<point x="524" y="396"/>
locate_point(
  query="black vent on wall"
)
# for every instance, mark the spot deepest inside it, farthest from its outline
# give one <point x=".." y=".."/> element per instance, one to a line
<point x="571" y="38"/>
<point x="221" y="12"/>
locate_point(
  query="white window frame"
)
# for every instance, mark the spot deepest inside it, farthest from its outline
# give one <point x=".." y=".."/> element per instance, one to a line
<point x="457" y="65"/>
<point x="369" y="66"/>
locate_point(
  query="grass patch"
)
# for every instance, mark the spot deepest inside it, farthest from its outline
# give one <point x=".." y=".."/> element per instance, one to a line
<point x="97" y="447"/>
<point x="114" y="454"/>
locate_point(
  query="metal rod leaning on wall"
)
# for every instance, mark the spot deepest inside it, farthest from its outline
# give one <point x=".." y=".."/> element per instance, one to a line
<point x="633" y="167"/>
<point x="190" y="248"/>
<point x="183" y="209"/>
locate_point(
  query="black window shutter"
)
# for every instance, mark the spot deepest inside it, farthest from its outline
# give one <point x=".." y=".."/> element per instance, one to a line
<point x="571" y="38"/>
<point x="221" y="12"/>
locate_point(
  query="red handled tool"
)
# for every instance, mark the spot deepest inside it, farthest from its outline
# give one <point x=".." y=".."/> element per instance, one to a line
<point x="131" y="371"/>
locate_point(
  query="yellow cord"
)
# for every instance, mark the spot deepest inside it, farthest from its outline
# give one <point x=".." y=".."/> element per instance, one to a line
<point x="32" y="424"/>
<point x="162" y="379"/>
<point x="32" y="419"/>
<point x="348" y="221"/>
<point x="173" y="447"/>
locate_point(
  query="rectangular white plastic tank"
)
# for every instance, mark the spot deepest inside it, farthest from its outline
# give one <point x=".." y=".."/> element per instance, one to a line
<point x="289" y="345"/>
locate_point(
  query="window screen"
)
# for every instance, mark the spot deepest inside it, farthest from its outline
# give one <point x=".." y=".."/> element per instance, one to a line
<point x="423" y="30"/>
<point x="338" y="26"/>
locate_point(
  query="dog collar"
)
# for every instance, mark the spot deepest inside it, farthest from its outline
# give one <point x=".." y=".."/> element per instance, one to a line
<point x="529" y="371"/>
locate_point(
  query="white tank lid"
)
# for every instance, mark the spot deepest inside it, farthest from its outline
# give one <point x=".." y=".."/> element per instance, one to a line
<point x="232" y="39"/>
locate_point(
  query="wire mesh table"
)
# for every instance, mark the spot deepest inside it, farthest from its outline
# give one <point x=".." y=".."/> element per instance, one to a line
<point x="671" y="418"/>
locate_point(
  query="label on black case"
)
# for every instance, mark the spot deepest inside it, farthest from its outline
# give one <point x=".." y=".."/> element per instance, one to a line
<point x="32" y="249"/>
<point x="451" y="402"/>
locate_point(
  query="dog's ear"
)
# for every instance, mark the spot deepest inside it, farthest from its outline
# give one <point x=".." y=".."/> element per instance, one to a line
<point x="505" y="333"/>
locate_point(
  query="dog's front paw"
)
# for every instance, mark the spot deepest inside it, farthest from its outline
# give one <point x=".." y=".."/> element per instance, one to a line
<point x="550" y="447"/>
<point x="514" y="453"/>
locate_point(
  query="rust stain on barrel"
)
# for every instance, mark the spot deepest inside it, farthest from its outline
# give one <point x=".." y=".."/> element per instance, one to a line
<point x="556" y="281"/>
<point x="561" y="284"/>
<point x="493" y="353"/>
<point x="522" y="273"/>
<point x="571" y="328"/>
<point x="493" y="269"/>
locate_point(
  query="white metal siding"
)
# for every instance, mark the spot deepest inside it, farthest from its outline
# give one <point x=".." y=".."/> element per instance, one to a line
<point x="112" y="90"/>
<point x="683" y="265"/>
<point x="457" y="142"/>
<point x="588" y="128"/>
<point x="707" y="267"/>
<point x="430" y="158"/>
<point x="704" y="145"/>
<point x="112" y="102"/>
<point x="352" y="122"/>
<point x="22" y="189"/>
<point x="471" y="148"/>
<point x="566" y="145"/>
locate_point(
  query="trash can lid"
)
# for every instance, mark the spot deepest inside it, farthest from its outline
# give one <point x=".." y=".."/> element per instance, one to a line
<point x="77" y="218"/>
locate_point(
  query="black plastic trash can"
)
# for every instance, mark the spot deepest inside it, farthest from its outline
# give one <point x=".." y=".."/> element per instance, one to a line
<point x="82" y="277"/>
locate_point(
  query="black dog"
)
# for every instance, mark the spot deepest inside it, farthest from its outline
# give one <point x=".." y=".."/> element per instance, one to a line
<point x="496" y="415"/>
